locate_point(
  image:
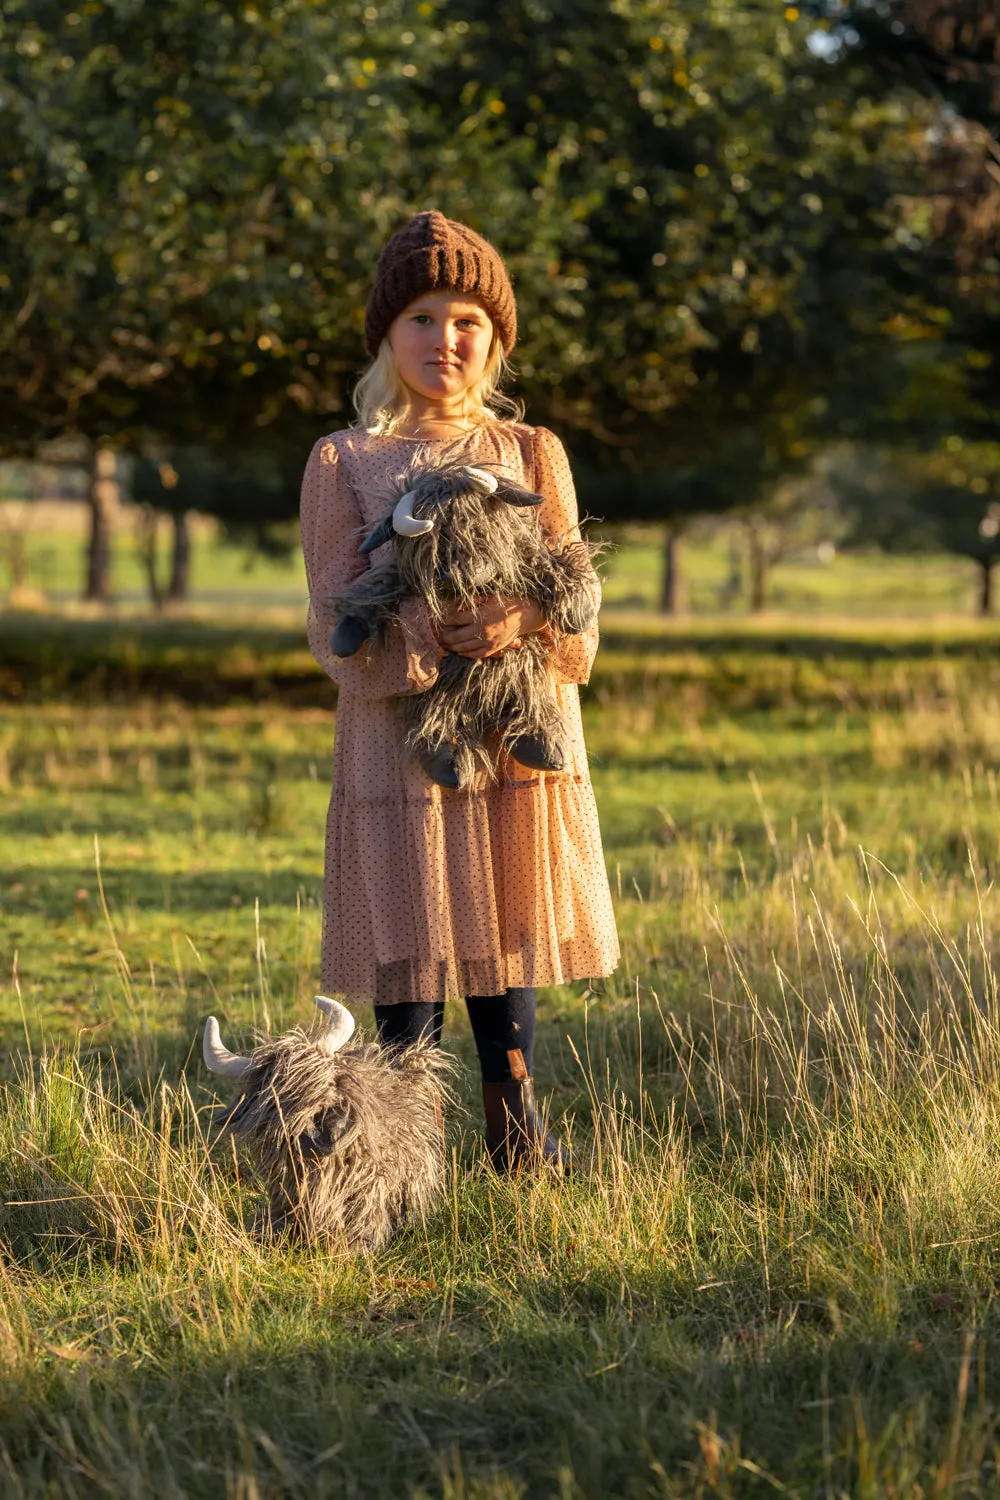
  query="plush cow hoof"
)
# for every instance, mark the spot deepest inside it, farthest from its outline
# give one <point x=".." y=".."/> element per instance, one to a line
<point x="529" y="751"/>
<point x="349" y="636"/>
<point x="443" y="768"/>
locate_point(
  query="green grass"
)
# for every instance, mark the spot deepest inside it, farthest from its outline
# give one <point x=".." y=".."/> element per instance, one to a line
<point x="219" y="570"/>
<point x="862" y="584"/>
<point x="774" y="1271"/>
<point x="858" y="584"/>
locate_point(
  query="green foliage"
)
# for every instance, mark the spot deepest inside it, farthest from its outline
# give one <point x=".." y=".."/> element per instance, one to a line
<point x="742" y="470"/>
<point x="199" y="193"/>
<point x="722" y="229"/>
<point x="944" y="501"/>
<point x="947" y="45"/>
<point x="251" y="489"/>
<point x="191" y="215"/>
<point x="947" y="49"/>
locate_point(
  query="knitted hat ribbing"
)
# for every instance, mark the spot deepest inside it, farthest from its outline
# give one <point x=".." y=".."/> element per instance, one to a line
<point x="435" y="254"/>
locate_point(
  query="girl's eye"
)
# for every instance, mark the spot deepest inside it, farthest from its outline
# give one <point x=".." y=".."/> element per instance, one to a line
<point x="422" y="318"/>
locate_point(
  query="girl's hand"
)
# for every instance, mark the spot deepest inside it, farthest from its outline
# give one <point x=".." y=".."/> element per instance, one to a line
<point x="493" y="626"/>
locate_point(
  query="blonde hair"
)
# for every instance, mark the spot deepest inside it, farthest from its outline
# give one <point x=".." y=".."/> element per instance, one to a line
<point x="381" y="400"/>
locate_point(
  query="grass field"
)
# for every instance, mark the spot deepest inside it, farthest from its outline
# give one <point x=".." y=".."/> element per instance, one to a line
<point x="862" y="584"/>
<point x="775" y="1269"/>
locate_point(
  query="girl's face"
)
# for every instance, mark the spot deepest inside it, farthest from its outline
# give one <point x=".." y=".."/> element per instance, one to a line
<point x="441" y="344"/>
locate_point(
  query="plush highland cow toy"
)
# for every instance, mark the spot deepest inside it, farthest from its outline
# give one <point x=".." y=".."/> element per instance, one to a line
<point x="459" y="533"/>
<point x="347" y="1144"/>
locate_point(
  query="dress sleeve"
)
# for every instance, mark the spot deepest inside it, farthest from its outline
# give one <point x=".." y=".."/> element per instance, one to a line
<point x="332" y="529"/>
<point x="572" y="656"/>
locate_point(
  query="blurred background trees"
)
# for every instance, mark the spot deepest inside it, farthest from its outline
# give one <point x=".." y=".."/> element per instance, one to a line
<point x="741" y="234"/>
<point x="947" y="500"/>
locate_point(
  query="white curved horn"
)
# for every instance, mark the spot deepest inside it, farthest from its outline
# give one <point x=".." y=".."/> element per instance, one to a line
<point x="340" y="1024"/>
<point x="405" y="522"/>
<point x="218" y="1059"/>
<point x="484" y="476"/>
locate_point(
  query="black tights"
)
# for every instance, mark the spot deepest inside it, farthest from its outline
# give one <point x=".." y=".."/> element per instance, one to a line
<point x="500" y="1023"/>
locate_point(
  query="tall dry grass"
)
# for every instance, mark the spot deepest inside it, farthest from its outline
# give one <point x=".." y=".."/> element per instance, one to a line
<point x="777" y="1189"/>
<point x="774" y="1269"/>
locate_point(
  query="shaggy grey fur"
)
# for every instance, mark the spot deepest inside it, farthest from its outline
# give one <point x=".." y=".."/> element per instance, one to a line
<point x="481" y="543"/>
<point x="349" y="1146"/>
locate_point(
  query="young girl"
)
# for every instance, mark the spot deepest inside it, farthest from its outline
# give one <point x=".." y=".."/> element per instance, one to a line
<point x="433" y="894"/>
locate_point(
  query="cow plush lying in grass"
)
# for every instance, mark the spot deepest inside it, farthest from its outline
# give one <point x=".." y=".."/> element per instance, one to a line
<point x="347" y="1142"/>
<point x="459" y="533"/>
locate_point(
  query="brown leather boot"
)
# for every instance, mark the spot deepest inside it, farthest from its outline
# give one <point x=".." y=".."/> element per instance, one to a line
<point x="516" y="1135"/>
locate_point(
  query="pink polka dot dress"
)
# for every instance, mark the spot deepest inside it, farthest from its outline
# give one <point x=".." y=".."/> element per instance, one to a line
<point x="432" y="894"/>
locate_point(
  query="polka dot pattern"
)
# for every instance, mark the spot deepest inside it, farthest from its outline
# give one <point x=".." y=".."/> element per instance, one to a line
<point x="433" y="894"/>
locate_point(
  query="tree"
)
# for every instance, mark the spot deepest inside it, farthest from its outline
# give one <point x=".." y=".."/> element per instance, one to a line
<point x="723" y="212"/>
<point x="191" y="208"/>
<point x="694" y="175"/>
<point x="949" y="46"/>
<point x="179" y="586"/>
<point x="949" y="50"/>
<point x="724" y="253"/>
<point x="944" y="501"/>
<point x="252" y="490"/>
<point x="102" y="501"/>
<point x="799" y="515"/>
<point x="742" y="474"/>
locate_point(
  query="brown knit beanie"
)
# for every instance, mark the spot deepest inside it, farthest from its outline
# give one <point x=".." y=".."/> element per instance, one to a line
<point x="434" y="254"/>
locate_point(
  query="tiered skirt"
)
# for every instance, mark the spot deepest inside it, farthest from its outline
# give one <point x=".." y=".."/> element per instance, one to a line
<point x="433" y="894"/>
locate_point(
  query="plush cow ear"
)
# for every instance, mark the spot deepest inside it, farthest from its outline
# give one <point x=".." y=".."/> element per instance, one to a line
<point x="378" y="538"/>
<point x="515" y="494"/>
<point x="226" y="1114"/>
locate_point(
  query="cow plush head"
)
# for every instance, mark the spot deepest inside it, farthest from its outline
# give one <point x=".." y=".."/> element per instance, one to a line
<point x="347" y="1142"/>
<point x="431" y="492"/>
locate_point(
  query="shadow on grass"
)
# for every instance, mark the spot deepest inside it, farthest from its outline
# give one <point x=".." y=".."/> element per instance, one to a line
<point x="892" y="641"/>
<point x="193" y="660"/>
<point x="334" y="1400"/>
<point x="203" y="662"/>
<point x="54" y="891"/>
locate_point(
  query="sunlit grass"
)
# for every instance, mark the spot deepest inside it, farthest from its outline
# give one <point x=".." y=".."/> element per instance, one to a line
<point x="776" y="1264"/>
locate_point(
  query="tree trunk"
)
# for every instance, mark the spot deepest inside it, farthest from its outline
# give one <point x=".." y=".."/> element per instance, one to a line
<point x="180" y="568"/>
<point x="102" y="500"/>
<point x="732" y="590"/>
<point x="17" y="557"/>
<point x="671" y="597"/>
<point x="986" y="587"/>
<point x="757" y="547"/>
<point x="148" y="537"/>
